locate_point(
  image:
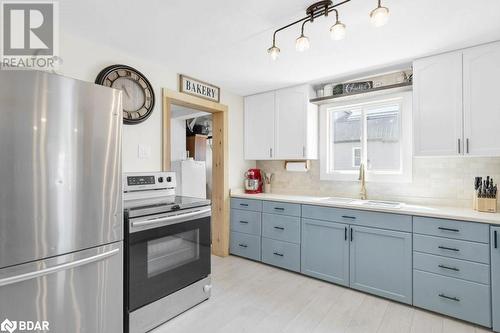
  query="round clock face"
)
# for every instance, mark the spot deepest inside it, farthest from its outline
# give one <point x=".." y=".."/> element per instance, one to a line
<point x="137" y="93"/>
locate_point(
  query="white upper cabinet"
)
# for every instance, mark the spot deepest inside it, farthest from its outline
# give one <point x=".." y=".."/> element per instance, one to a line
<point x="456" y="108"/>
<point x="296" y="123"/>
<point x="259" y="126"/>
<point x="281" y="125"/>
<point x="437" y="105"/>
<point x="481" y="100"/>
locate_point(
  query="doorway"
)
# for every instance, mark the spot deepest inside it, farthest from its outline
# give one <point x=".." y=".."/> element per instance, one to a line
<point x="173" y="101"/>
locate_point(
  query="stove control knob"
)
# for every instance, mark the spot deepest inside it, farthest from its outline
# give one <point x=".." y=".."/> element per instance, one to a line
<point x="207" y="288"/>
<point x="160" y="179"/>
<point x="169" y="179"/>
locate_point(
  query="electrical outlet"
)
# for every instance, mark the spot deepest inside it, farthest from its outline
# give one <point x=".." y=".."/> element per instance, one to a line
<point x="143" y="151"/>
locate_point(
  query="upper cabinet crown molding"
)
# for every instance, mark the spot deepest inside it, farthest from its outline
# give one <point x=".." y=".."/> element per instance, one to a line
<point x="281" y="125"/>
<point x="456" y="111"/>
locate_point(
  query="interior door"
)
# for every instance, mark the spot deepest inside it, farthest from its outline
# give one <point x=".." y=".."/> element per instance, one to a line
<point x="481" y="105"/>
<point x="495" y="276"/>
<point x="78" y="292"/>
<point x="325" y="251"/>
<point x="437" y="105"/>
<point x="291" y="123"/>
<point x="381" y="262"/>
<point x="259" y="126"/>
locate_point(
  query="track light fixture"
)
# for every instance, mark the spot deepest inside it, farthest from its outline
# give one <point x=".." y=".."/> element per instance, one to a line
<point x="378" y="17"/>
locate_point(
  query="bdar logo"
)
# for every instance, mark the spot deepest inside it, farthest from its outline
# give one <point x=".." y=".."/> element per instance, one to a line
<point x="8" y="326"/>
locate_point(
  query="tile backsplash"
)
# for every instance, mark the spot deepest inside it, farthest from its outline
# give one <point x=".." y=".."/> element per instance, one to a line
<point x="446" y="181"/>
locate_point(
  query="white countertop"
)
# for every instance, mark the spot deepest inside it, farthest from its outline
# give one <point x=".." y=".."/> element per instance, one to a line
<point x="454" y="213"/>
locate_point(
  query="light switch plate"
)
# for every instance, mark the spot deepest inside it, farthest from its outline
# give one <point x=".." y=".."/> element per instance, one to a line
<point x="143" y="151"/>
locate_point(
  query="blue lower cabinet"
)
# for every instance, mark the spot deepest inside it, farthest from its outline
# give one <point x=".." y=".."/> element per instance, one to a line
<point x="495" y="276"/>
<point x="282" y="254"/>
<point x="325" y="251"/>
<point x="245" y="245"/>
<point x="458" y="298"/>
<point x="381" y="262"/>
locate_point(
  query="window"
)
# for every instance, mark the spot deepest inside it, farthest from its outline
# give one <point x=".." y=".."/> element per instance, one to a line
<point x="375" y="132"/>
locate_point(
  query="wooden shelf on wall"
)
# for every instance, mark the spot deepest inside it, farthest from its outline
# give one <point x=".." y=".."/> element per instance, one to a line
<point x="396" y="87"/>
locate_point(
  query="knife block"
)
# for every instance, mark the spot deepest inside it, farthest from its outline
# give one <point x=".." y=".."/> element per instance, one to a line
<point x="488" y="205"/>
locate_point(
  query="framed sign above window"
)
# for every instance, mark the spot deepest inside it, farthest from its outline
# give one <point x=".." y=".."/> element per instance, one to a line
<point x="375" y="132"/>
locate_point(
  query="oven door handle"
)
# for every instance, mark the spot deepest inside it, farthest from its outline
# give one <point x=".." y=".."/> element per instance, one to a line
<point x="171" y="219"/>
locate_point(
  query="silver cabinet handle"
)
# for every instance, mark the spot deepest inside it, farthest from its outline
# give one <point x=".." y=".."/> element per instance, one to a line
<point x="171" y="219"/>
<point x="467" y="145"/>
<point x="449" y="268"/>
<point x="459" y="146"/>
<point x="271" y="152"/>
<point x="58" y="268"/>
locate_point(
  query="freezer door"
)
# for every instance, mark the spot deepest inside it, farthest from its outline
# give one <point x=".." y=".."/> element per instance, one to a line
<point x="60" y="166"/>
<point x="78" y="292"/>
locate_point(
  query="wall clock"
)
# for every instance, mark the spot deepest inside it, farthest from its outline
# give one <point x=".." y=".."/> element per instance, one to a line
<point x="138" y="96"/>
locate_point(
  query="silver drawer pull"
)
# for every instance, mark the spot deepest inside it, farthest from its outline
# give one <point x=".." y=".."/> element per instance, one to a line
<point x="348" y="217"/>
<point x="243" y="204"/>
<point x="243" y="245"/>
<point x="448" y="229"/>
<point x="450" y="268"/>
<point x="456" y="299"/>
<point x="279" y="228"/>
<point x="244" y="222"/>
<point x="448" y="248"/>
<point x="278" y="254"/>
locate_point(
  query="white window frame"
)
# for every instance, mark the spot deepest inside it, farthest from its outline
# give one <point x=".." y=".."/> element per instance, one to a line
<point x="404" y="175"/>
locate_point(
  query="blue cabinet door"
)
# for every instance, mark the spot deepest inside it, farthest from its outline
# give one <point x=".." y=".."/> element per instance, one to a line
<point x="381" y="262"/>
<point x="495" y="276"/>
<point x="325" y="250"/>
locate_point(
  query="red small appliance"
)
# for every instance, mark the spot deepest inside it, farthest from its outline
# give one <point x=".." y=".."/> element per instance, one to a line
<point x="253" y="181"/>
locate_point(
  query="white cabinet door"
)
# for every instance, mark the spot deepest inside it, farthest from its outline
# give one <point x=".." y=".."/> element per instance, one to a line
<point x="259" y="126"/>
<point x="437" y="103"/>
<point x="291" y="123"/>
<point x="481" y="100"/>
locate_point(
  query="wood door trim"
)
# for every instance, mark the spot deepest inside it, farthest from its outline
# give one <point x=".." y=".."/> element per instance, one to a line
<point x="220" y="160"/>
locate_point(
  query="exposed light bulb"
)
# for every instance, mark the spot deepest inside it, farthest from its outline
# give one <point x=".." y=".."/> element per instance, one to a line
<point x="379" y="16"/>
<point x="337" y="31"/>
<point x="274" y="52"/>
<point x="302" y="43"/>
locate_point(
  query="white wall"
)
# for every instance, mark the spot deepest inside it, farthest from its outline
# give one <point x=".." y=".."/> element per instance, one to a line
<point x="83" y="59"/>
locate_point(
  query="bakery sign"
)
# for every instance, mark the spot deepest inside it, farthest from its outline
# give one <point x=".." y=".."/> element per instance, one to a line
<point x="191" y="86"/>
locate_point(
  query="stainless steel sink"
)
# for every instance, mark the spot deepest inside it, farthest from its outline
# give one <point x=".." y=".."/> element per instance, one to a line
<point x="382" y="204"/>
<point x="338" y="200"/>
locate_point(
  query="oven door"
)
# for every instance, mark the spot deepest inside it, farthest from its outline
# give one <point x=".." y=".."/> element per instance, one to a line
<point x="166" y="253"/>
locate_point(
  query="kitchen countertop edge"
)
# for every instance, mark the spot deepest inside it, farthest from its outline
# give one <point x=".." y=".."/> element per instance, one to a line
<point x="452" y="213"/>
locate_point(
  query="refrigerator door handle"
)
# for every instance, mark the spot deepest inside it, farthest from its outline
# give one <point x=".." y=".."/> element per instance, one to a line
<point x="50" y="270"/>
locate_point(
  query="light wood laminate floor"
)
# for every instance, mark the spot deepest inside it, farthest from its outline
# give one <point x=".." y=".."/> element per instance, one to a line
<point x="248" y="296"/>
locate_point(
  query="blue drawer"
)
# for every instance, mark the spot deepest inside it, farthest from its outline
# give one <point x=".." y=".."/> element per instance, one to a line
<point x="246" y="204"/>
<point x="359" y="217"/>
<point x="245" y="245"/>
<point x="275" y="207"/>
<point x="452" y="248"/>
<point x="281" y="254"/>
<point x="460" y="269"/>
<point x="281" y="227"/>
<point x="476" y="232"/>
<point x="453" y="297"/>
<point x="246" y="221"/>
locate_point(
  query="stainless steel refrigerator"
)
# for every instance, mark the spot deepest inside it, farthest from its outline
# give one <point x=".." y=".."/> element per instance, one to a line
<point x="60" y="204"/>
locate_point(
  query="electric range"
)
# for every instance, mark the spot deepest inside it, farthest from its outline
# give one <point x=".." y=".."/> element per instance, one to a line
<point x="167" y="250"/>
